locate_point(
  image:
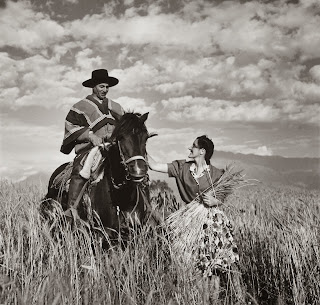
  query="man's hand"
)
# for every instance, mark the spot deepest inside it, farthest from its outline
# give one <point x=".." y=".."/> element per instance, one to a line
<point x="94" y="139"/>
<point x="211" y="201"/>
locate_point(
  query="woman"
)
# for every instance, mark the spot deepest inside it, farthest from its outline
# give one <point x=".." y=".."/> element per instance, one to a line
<point x="216" y="251"/>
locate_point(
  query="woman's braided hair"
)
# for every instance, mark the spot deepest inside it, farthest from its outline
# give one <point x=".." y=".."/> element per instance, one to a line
<point x="207" y="144"/>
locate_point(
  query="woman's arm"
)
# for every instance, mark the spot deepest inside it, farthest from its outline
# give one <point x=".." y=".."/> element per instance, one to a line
<point x="158" y="167"/>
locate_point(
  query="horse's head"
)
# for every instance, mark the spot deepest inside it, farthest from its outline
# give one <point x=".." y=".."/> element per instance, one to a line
<point x="130" y="136"/>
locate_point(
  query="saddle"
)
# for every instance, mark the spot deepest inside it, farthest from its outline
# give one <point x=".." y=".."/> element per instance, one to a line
<point x="92" y="170"/>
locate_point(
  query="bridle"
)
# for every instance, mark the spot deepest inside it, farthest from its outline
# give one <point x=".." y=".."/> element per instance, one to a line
<point x="125" y="162"/>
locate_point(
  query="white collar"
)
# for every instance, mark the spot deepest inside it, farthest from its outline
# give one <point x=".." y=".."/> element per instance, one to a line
<point x="193" y="170"/>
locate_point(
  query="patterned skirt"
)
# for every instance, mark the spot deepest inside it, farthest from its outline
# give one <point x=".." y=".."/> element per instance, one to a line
<point x="217" y="250"/>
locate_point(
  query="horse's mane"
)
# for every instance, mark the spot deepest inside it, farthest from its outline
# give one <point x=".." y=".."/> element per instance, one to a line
<point x="129" y="123"/>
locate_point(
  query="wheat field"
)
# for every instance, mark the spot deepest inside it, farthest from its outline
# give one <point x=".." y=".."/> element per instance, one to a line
<point x="277" y="231"/>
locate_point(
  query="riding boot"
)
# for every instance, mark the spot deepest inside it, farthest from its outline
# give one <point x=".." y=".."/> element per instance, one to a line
<point x="76" y="185"/>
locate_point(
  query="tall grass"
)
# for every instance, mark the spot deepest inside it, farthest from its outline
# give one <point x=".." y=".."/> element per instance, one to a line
<point x="277" y="232"/>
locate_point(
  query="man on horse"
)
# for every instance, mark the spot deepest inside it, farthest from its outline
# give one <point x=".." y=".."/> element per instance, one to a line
<point x="89" y="123"/>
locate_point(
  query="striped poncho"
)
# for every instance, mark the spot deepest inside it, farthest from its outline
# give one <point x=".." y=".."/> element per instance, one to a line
<point x="91" y="114"/>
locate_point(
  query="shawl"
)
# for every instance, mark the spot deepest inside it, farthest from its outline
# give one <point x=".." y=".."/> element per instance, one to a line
<point x="88" y="114"/>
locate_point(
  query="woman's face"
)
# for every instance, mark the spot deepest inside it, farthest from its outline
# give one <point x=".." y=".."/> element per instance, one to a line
<point x="194" y="150"/>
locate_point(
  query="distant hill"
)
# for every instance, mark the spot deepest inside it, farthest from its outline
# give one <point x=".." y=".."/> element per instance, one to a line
<point x="41" y="178"/>
<point x="275" y="162"/>
<point x="269" y="170"/>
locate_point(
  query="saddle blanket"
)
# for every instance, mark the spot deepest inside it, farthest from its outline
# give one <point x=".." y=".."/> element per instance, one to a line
<point x="91" y="169"/>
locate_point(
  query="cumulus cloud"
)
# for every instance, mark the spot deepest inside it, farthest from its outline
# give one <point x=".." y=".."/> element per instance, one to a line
<point x="132" y="28"/>
<point x="124" y="56"/>
<point x="136" y="105"/>
<point x="172" y="88"/>
<point x="263" y="151"/>
<point x="36" y="134"/>
<point x="9" y="72"/>
<point x="41" y="144"/>
<point x="315" y="73"/>
<point x="306" y="91"/>
<point x="219" y="74"/>
<point x="268" y="29"/>
<point x="24" y="28"/>
<point x="248" y="149"/>
<point x="308" y="39"/>
<point x="64" y="48"/>
<point x="8" y="96"/>
<point x="259" y="30"/>
<point x="204" y="109"/>
<point x="191" y="64"/>
<point x="128" y="2"/>
<point x="46" y="96"/>
<point x="85" y="61"/>
<point x="253" y="27"/>
<point x="172" y="144"/>
<point x="43" y="82"/>
<point x="216" y="74"/>
<point x="136" y="77"/>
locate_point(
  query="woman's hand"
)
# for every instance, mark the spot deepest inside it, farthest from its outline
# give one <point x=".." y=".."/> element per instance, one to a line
<point x="211" y="201"/>
<point x="159" y="167"/>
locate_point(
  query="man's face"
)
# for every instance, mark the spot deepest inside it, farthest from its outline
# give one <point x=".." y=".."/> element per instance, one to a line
<point x="101" y="90"/>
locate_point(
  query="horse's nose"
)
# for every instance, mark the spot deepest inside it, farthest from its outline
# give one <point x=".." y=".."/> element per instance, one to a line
<point x="137" y="168"/>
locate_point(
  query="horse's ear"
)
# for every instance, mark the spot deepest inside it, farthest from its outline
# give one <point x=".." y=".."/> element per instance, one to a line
<point x="152" y="134"/>
<point x="144" y="117"/>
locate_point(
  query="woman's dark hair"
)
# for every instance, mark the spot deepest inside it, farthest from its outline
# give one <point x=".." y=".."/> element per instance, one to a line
<point x="207" y="144"/>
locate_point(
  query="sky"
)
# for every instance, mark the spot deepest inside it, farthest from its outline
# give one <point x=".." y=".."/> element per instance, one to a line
<point x="245" y="73"/>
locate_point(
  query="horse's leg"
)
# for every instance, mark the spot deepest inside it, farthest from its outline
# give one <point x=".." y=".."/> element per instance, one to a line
<point x="102" y="203"/>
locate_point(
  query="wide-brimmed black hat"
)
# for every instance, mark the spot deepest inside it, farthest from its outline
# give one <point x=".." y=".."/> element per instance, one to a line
<point x="100" y="76"/>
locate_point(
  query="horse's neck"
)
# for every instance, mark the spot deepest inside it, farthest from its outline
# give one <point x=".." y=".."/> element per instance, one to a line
<point x="115" y="169"/>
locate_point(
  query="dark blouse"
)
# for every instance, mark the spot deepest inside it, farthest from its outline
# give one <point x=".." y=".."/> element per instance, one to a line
<point x="186" y="183"/>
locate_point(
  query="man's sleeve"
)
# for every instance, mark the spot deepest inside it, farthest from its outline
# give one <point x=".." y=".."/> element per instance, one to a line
<point x="76" y="123"/>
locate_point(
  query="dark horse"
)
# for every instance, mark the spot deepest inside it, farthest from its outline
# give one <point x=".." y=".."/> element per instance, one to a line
<point x="122" y="195"/>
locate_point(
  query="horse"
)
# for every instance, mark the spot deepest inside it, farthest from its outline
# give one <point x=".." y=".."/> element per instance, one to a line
<point x="121" y="197"/>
